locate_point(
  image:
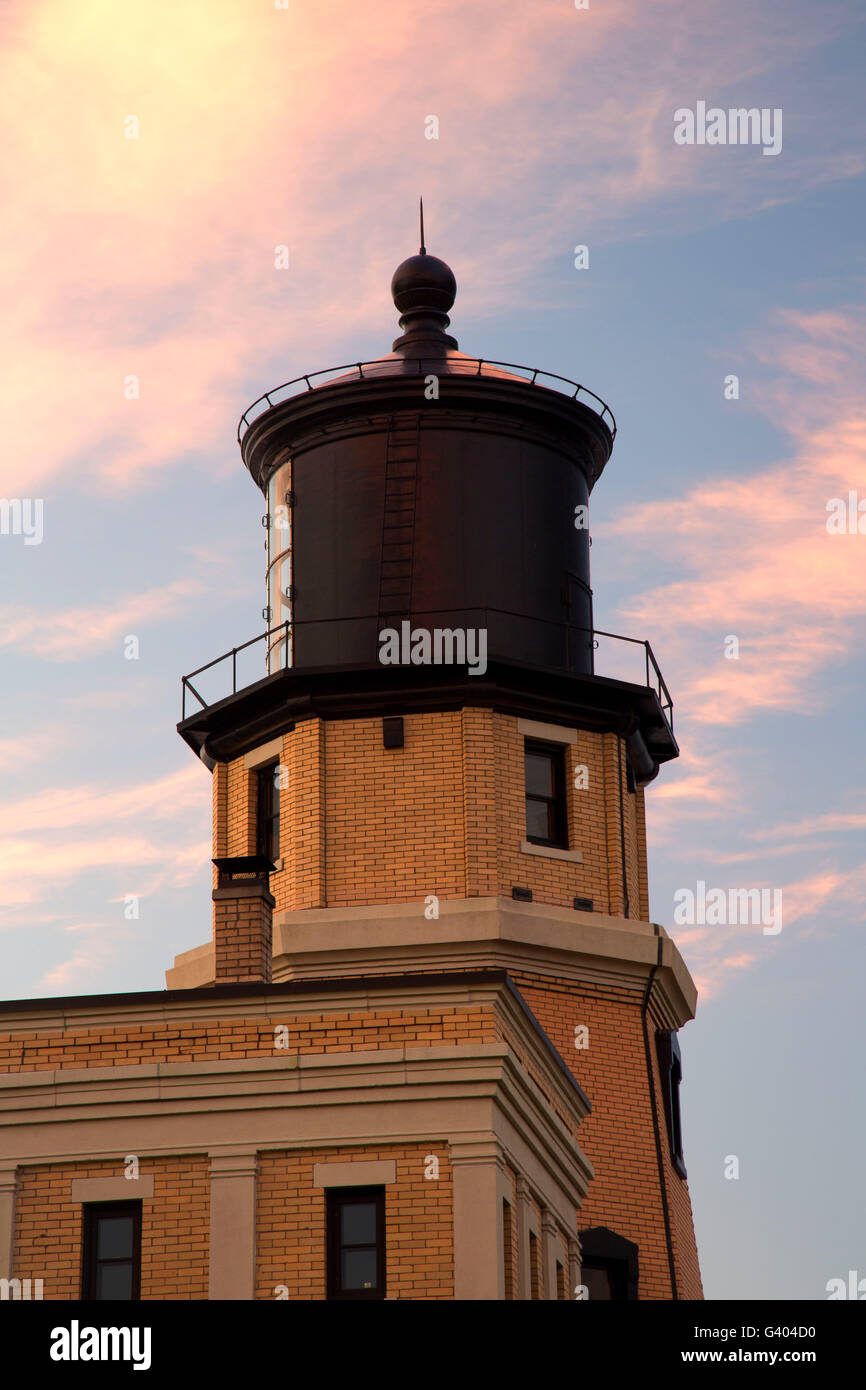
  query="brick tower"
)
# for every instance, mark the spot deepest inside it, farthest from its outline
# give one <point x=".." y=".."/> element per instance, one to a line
<point x="434" y="804"/>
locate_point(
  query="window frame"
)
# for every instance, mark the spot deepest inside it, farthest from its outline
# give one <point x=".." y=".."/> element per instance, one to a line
<point x="335" y="1199"/>
<point x="268" y="811"/>
<point x="535" y="1280"/>
<point x="559" y="801"/>
<point x="670" y="1062"/>
<point x="604" y="1249"/>
<point x="92" y="1213"/>
<point x="616" y="1271"/>
<point x="509" y="1290"/>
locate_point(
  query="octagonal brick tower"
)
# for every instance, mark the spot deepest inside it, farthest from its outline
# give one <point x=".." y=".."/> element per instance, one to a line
<point x="470" y="800"/>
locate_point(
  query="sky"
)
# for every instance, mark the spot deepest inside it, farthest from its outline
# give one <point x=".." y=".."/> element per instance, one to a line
<point x="153" y="158"/>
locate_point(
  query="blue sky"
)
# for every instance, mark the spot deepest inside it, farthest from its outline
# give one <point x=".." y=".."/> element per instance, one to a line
<point x="155" y="257"/>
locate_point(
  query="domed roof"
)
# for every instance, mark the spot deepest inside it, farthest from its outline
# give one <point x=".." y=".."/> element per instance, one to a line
<point x="424" y="289"/>
<point x="447" y="362"/>
<point x="425" y="283"/>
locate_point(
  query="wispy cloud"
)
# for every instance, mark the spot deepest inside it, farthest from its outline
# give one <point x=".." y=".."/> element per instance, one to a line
<point x="825" y="900"/>
<point x="37" y="748"/>
<point x="758" y="561"/>
<point x="92" y="957"/>
<point x="831" y="822"/>
<point x="60" y="808"/>
<point x="141" y="257"/>
<point x="699" y="785"/>
<point x="141" y="836"/>
<point x="73" y="633"/>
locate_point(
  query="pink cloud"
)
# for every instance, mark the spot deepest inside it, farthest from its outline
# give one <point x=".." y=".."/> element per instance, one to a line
<point x="88" y="962"/>
<point x="72" y="633"/>
<point x="31" y="869"/>
<point x="757" y="560"/>
<point x="831" y="822"/>
<point x="699" y="786"/>
<point x="171" y="797"/>
<point x="144" y="836"/>
<point x="17" y="753"/>
<point x="811" y="906"/>
<point x="153" y="256"/>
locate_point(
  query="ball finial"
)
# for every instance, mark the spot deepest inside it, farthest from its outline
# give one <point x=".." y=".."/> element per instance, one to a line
<point x="424" y="283"/>
<point x="423" y="289"/>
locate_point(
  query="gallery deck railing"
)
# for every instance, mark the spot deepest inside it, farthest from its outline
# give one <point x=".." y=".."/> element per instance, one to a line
<point x="470" y="366"/>
<point x="284" y="633"/>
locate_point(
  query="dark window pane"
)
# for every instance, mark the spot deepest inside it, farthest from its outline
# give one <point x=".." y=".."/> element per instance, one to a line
<point x="598" y="1282"/>
<point x="269" y="811"/>
<point x="114" y="1238"/>
<point x="539" y="774"/>
<point x="356" y="1243"/>
<point x="114" y="1281"/>
<point x="545" y="795"/>
<point x="359" y="1269"/>
<point x="537" y="820"/>
<point x="359" y="1223"/>
<point x="275" y="812"/>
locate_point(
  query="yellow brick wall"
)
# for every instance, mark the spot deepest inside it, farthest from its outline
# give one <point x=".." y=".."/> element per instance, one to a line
<point x="174" y="1226"/>
<point x="350" y="1030"/>
<point x="290" y="1213"/>
<point x="362" y="824"/>
<point x="243" y="938"/>
<point x="618" y="1136"/>
<point x="394" y="816"/>
<point x="290" y="1222"/>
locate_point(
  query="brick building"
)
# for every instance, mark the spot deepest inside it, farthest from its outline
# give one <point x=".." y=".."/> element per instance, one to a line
<point x="431" y="1049"/>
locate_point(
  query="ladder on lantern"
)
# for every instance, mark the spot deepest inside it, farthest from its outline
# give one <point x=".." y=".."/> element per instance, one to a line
<point x="398" y="519"/>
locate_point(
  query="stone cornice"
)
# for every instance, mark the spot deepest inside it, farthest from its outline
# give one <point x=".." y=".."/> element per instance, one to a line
<point x="550" y="942"/>
<point x="140" y="1008"/>
<point x="411" y="1093"/>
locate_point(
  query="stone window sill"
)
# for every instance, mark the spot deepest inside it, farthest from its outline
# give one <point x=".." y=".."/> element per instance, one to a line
<point x="572" y="856"/>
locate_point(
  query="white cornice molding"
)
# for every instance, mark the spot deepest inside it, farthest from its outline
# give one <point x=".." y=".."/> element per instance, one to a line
<point x="475" y="933"/>
<point x="374" y="1099"/>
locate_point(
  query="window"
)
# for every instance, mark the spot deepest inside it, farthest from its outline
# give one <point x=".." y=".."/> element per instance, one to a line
<point x="561" y="1289"/>
<point x="605" y="1280"/>
<point x="544" y="768"/>
<point x="507" y="1248"/>
<point x="671" y="1072"/>
<point x="356" y="1242"/>
<point x="111" y="1256"/>
<point x="534" y="1279"/>
<point x="609" y="1265"/>
<point x="268" y="812"/>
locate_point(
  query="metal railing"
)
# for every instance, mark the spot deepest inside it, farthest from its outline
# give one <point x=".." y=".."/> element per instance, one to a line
<point x="653" y="677"/>
<point x="660" y="686"/>
<point x="470" y="366"/>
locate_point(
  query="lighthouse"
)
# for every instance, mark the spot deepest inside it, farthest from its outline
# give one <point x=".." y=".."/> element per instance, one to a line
<point x="431" y="1048"/>
<point x="391" y="810"/>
